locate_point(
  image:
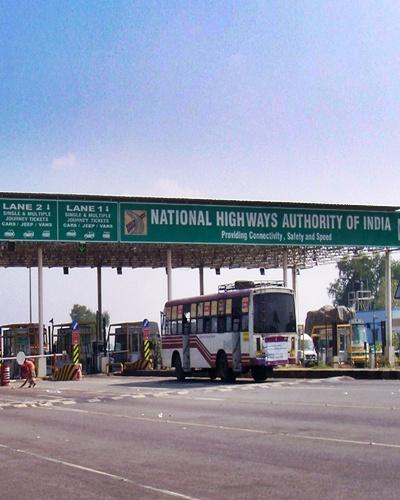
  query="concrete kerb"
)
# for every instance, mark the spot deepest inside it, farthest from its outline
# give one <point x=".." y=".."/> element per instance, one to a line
<point x="356" y="373"/>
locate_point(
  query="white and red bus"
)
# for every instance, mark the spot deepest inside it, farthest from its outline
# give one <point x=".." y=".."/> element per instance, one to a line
<point x="230" y="332"/>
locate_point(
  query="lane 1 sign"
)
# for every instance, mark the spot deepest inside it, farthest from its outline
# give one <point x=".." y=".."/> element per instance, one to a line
<point x="87" y="221"/>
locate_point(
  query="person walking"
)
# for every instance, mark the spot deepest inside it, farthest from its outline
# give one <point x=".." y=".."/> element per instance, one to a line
<point x="28" y="372"/>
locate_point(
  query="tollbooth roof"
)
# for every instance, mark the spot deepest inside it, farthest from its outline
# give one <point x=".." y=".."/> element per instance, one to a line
<point x="119" y="231"/>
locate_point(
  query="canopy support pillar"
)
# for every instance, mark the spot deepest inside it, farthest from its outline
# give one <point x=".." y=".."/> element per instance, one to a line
<point x="201" y="279"/>
<point x="99" y="320"/>
<point x="41" y="368"/>
<point x="285" y="267"/>
<point x="389" y="350"/>
<point x="169" y="274"/>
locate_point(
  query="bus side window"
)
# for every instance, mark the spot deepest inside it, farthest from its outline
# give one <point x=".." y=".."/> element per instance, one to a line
<point x="207" y="324"/>
<point x="229" y="323"/>
<point x="173" y="327"/>
<point x="221" y="324"/>
<point x="200" y="325"/>
<point x="236" y="313"/>
<point x="214" y="324"/>
<point x="193" y="316"/>
<point x="179" y="326"/>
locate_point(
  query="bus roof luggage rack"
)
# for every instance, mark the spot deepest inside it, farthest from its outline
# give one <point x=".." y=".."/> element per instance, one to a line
<point x="243" y="285"/>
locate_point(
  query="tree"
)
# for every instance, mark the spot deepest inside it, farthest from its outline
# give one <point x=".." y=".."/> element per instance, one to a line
<point x="82" y="314"/>
<point x="363" y="273"/>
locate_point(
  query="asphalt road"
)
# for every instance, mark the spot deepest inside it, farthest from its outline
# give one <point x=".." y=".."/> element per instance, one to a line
<point x="155" y="438"/>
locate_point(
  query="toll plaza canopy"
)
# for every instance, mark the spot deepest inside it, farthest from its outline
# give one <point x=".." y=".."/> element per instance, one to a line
<point x="114" y="231"/>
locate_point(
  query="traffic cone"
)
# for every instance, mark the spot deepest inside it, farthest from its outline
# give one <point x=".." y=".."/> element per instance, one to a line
<point x="79" y="375"/>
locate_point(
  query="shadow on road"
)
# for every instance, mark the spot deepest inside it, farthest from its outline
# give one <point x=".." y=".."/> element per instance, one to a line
<point x="188" y="384"/>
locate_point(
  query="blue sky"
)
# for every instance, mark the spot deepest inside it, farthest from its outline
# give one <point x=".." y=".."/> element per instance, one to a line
<point x="264" y="100"/>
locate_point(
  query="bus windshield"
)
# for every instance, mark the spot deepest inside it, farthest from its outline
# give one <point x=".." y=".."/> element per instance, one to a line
<point x="359" y="334"/>
<point x="274" y="313"/>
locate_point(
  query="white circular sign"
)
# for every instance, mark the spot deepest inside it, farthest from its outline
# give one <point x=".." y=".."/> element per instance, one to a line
<point x="21" y="358"/>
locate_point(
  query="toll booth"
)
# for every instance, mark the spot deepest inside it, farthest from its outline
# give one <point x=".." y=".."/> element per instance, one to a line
<point x="132" y="346"/>
<point x="333" y="343"/>
<point x="64" y="338"/>
<point x="21" y="337"/>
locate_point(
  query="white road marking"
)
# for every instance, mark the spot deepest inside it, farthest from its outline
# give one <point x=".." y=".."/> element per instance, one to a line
<point x="99" y="472"/>
<point x="207" y="399"/>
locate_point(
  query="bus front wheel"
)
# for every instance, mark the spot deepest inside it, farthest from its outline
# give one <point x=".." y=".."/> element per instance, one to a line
<point x="177" y="364"/>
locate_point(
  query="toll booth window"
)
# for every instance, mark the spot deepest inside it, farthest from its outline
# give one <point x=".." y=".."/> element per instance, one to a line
<point x="7" y="346"/>
<point x="120" y="342"/>
<point x="34" y="346"/>
<point x="135" y="343"/>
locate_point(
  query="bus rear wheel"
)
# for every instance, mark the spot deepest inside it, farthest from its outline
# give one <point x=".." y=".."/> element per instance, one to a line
<point x="224" y="372"/>
<point x="177" y="364"/>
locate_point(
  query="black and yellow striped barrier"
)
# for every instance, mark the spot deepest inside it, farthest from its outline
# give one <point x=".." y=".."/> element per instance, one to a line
<point x="75" y="353"/>
<point x="146" y="350"/>
<point x="67" y="372"/>
<point x="141" y="364"/>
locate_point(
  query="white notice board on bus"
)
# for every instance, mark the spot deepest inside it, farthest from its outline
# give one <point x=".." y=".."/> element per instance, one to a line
<point x="276" y="350"/>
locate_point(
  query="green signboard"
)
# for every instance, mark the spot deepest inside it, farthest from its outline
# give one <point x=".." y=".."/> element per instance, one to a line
<point x="223" y="224"/>
<point x="87" y="221"/>
<point x="102" y="221"/>
<point x="28" y="220"/>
